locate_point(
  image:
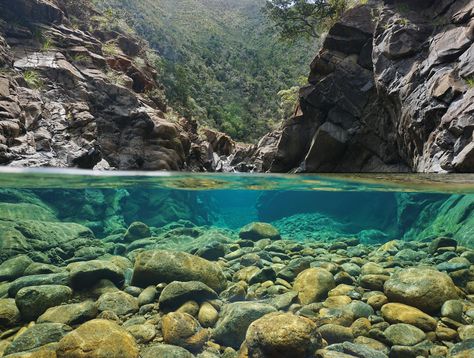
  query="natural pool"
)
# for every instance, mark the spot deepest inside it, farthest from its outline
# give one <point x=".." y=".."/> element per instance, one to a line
<point x="213" y="265"/>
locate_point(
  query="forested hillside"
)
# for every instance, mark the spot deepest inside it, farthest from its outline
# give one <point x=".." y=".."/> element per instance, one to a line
<point x="220" y="60"/>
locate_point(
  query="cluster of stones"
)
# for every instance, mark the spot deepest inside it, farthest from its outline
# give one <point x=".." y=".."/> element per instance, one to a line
<point x="255" y="297"/>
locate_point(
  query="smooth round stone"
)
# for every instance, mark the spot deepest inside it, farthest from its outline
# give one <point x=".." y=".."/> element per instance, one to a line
<point x="377" y="301"/>
<point x="334" y="333"/>
<point x="313" y="285"/>
<point x="337" y="301"/>
<point x="71" y="314"/>
<point x="257" y="230"/>
<point x="182" y="329"/>
<point x="87" y="273"/>
<point x="400" y="313"/>
<point x="360" y="309"/>
<point x="207" y="315"/>
<point x="404" y="335"/>
<point x="361" y="327"/>
<point x="466" y="332"/>
<point x="282" y="335"/>
<point x="464" y="349"/>
<point x="423" y="288"/>
<point x="37" y="268"/>
<point x="148" y="295"/>
<point x="176" y="293"/>
<point x="453" y="309"/>
<point x="189" y="307"/>
<point x="143" y="333"/>
<point x="133" y="290"/>
<point x="373" y="281"/>
<point x="14" y="267"/>
<point x="89" y="341"/>
<point x="35" y="300"/>
<point x="119" y="302"/>
<point x="165" y="351"/>
<point x="445" y="333"/>
<point x="9" y="313"/>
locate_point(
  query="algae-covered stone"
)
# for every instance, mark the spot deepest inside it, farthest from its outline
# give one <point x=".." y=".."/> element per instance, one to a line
<point x="313" y="285"/>
<point x="38" y="335"/>
<point x="137" y="230"/>
<point x="9" y="313"/>
<point x="462" y="350"/>
<point x="257" y="230"/>
<point x="400" y="313"/>
<point x="98" y="338"/>
<point x="71" y="314"/>
<point x="184" y="330"/>
<point x="165" y="351"/>
<point x="423" y="288"/>
<point x="234" y="320"/>
<point x="87" y="273"/>
<point x="61" y="278"/>
<point x="158" y="266"/>
<point x="402" y="334"/>
<point x="35" y="300"/>
<point x="176" y="293"/>
<point x="14" y="267"/>
<point x="281" y="335"/>
<point x="119" y="302"/>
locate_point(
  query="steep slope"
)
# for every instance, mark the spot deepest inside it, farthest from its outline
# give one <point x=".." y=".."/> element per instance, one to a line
<point x="392" y="89"/>
<point x="77" y="90"/>
<point x="222" y="64"/>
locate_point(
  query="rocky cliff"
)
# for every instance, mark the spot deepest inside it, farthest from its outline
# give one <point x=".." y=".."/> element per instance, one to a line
<point x="78" y="91"/>
<point x="391" y="90"/>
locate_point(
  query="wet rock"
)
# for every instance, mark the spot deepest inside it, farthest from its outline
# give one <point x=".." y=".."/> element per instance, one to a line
<point x="235" y="318"/>
<point x="35" y="300"/>
<point x="137" y="230"/>
<point x="14" y="268"/>
<point x="87" y="273"/>
<point x="38" y="335"/>
<point x="257" y="230"/>
<point x="184" y="330"/>
<point x="361" y="351"/>
<point x="207" y="315"/>
<point x="165" y="351"/>
<point x="37" y="268"/>
<point x="153" y="267"/>
<point x="148" y="295"/>
<point x="462" y="350"/>
<point x="404" y="335"/>
<point x="90" y="341"/>
<point x="143" y="333"/>
<point x="400" y="313"/>
<point x="453" y="309"/>
<point x="176" y="293"/>
<point x="61" y="278"/>
<point x="282" y="335"/>
<point x="423" y="288"/>
<point x="9" y="313"/>
<point x="334" y="333"/>
<point x="313" y="285"/>
<point x="119" y="302"/>
<point x="71" y="314"/>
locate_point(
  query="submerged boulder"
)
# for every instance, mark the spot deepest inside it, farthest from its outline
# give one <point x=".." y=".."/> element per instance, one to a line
<point x="158" y="266"/>
<point x="182" y="329"/>
<point x="177" y="293"/>
<point x="423" y="288"/>
<point x="87" y="273"/>
<point x="137" y="230"/>
<point x="313" y="285"/>
<point x="257" y="230"/>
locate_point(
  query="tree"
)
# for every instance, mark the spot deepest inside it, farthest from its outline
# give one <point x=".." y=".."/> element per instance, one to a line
<point x="307" y="18"/>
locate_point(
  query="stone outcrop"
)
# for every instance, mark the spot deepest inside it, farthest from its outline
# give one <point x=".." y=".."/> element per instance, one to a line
<point x="391" y="90"/>
<point x="77" y="90"/>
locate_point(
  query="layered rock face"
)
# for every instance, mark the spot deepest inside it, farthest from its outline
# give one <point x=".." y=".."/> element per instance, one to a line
<point x="76" y="91"/>
<point x="390" y="91"/>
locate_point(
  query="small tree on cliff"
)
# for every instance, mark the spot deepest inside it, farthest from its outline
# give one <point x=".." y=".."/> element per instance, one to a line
<point x="307" y="18"/>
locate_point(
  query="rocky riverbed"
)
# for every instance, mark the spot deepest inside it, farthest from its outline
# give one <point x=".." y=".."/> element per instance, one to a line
<point x="247" y="294"/>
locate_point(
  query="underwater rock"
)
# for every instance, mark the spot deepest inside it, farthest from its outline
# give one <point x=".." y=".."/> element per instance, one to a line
<point x="423" y="288"/>
<point x="335" y="333"/>
<point x="70" y="314"/>
<point x="137" y="230"/>
<point x="143" y="333"/>
<point x="313" y="284"/>
<point x="184" y="330"/>
<point x="9" y="313"/>
<point x="176" y="293"/>
<point x="37" y="336"/>
<point x="258" y="230"/>
<point x="453" y="309"/>
<point x="119" y="302"/>
<point x="403" y="334"/>
<point x="462" y="350"/>
<point x="235" y="318"/>
<point x="165" y="351"/>
<point x="87" y="273"/>
<point x="158" y="266"/>
<point x="281" y="335"/>
<point x="89" y="341"/>
<point x="400" y="313"/>
<point x="441" y="242"/>
<point x="207" y="315"/>
<point x="33" y="301"/>
<point x="61" y="278"/>
<point x="14" y="267"/>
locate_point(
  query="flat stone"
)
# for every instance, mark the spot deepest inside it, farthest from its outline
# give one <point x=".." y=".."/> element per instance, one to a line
<point x="14" y="267"/>
<point x="119" y="302"/>
<point x="71" y="314"/>
<point x="176" y="293"/>
<point x="404" y="334"/>
<point x="87" y="273"/>
<point x="400" y="313"/>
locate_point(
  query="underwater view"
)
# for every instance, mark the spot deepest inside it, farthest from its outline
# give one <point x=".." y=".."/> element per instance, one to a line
<point x="203" y="265"/>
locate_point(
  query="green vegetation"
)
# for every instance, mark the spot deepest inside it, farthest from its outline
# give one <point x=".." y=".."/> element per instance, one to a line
<point x="33" y="79"/>
<point x="470" y="82"/>
<point x="221" y="61"/>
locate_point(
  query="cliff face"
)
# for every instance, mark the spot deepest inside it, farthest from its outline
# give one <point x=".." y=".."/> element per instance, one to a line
<point x="391" y="90"/>
<point x="75" y="92"/>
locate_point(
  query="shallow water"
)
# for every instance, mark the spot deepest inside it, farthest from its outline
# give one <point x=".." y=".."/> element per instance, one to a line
<point x="98" y="239"/>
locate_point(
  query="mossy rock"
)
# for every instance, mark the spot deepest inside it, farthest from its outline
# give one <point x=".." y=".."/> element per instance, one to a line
<point x="257" y="230"/>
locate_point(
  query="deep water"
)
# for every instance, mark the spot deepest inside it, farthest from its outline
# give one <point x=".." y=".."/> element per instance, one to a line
<point x="235" y="266"/>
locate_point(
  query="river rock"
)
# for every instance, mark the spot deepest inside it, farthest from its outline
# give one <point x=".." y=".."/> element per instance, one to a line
<point x="9" y="313"/>
<point x="182" y="329"/>
<point x="119" y="302"/>
<point x="35" y="300"/>
<point x="453" y="309"/>
<point x="89" y="341"/>
<point x="313" y="285"/>
<point x="38" y="335"/>
<point x="158" y="266"/>
<point x="235" y="318"/>
<point x="87" y="273"/>
<point x="14" y="267"/>
<point x="423" y="288"/>
<point x="257" y="231"/>
<point x="207" y="315"/>
<point x="400" y="313"/>
<point x="165" y="351"/>
<point x="71" y="314"/>
<point x="281" y="335"/>
<point x="176" y="293"/>
<point x="462" y="350"/>
<point x="404" y="335"/>
<point x="61" y="278"/>
<point x="137" y="230"/>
